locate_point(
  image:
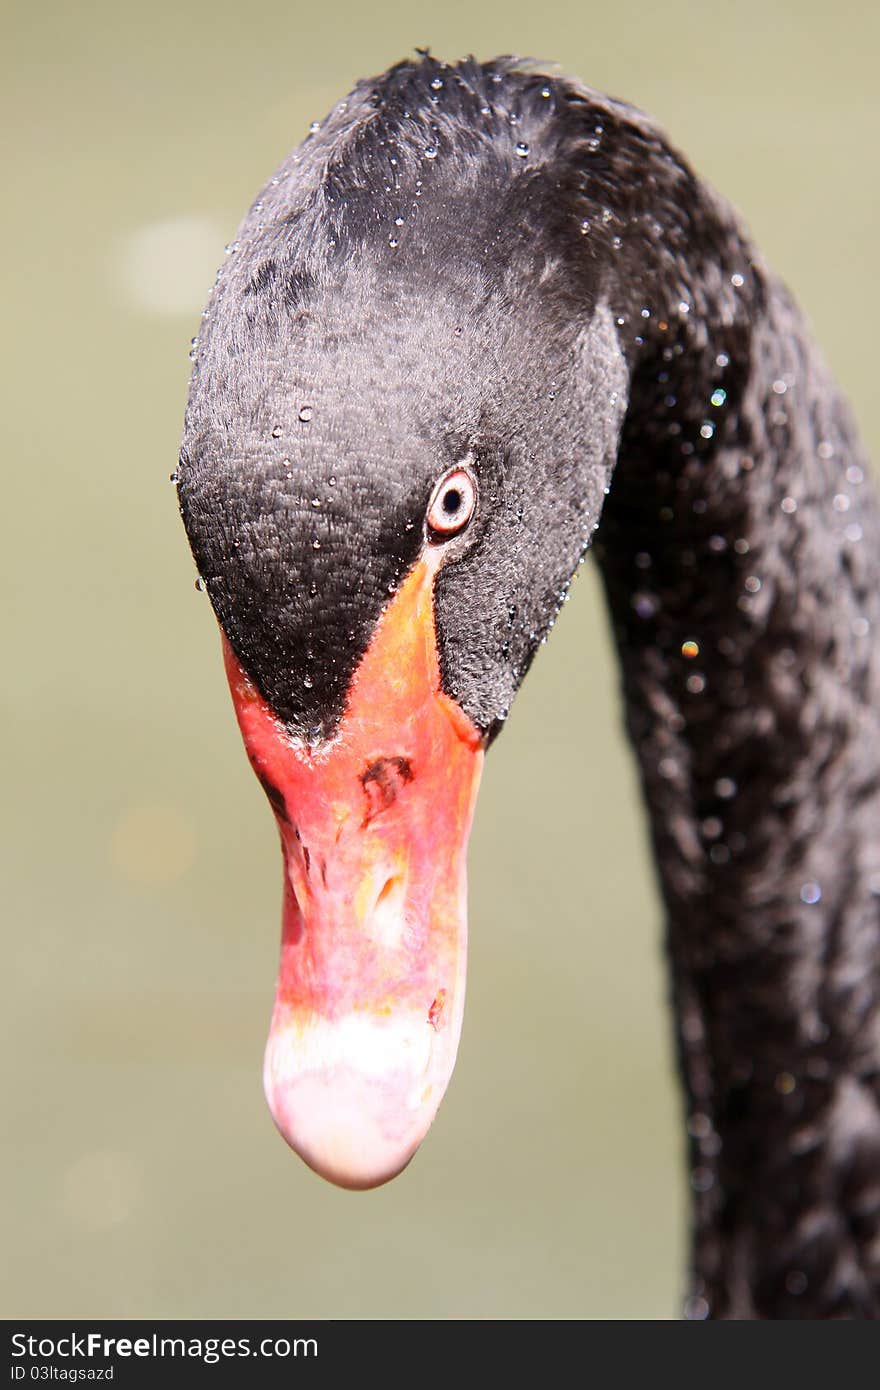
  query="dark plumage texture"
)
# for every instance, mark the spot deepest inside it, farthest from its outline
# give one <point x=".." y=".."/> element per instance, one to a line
<point x="570" y="307"/>
<point x="469" y="336"/>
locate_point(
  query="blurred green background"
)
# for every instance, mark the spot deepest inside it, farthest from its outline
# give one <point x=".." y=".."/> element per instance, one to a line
<point x="141" y="872"/>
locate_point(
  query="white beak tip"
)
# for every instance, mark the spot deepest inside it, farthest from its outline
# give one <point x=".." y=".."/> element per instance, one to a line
<point x="354" y="1130"/>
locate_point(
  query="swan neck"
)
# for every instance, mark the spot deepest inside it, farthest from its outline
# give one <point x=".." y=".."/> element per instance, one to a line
<point x="739" y="548"/>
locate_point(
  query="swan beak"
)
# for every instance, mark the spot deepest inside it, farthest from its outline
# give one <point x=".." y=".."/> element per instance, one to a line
<point x="374" y="827"/>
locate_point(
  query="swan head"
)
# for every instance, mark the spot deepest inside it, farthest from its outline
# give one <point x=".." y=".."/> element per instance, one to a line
<point x="402" y="422"/>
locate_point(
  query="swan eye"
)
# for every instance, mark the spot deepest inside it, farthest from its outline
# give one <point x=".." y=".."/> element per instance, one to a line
<point x="452" y="504"/>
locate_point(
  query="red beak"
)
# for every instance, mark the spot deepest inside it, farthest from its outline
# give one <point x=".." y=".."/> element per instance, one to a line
<point x="374" y="827"/>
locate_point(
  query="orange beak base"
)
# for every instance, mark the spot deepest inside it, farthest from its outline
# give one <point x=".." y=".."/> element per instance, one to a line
<point x="374" y="827"/>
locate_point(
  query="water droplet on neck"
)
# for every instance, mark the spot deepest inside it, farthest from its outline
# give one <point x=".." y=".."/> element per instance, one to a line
<point x="522" y="149"/>
<point x="200" y="585"/>
<point x="430" y="151"/>
<point x="305" y="413"/>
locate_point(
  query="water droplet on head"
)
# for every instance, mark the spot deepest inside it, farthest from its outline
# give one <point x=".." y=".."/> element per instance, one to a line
<point x="316" y="544"/>
<point x="276" y="431"/>
<point x="200" y="584"/>
<point x="690" y="649"/>
<point x="430" y="151"/>
<point x="737" y="280"/>
<point x="305" y="413"/>
<point x="810" y="893"/>
<point x="393" y="242"/>
<point x="314" y="126"/>
<point x="307" y="682"/>
<point x="718" y="396"/>
<point x="788" y="505"/>
<point x="522" y="149"/>
<point x="436" y="83"/>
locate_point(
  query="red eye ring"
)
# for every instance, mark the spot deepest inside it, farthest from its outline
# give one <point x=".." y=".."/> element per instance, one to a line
<point x="453" y="503"/>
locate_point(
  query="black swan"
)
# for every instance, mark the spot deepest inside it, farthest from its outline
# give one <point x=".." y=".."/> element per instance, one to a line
<point x="482" y="319"/>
